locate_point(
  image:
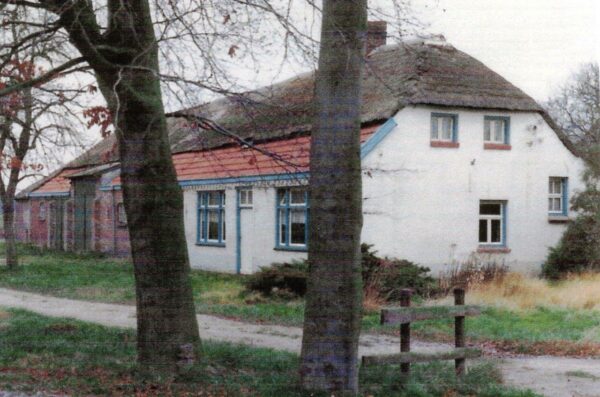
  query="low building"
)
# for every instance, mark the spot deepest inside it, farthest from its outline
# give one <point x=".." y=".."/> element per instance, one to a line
<point x="458" y="165"/>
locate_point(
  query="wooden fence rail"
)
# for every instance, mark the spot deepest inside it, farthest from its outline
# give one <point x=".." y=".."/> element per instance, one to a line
<point x="405" y="315"/>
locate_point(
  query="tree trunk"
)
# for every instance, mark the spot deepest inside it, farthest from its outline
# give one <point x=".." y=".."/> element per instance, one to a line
<point x="334" y="296"/>
<point x="125" y="60"/>
<point x="8" y="208"/>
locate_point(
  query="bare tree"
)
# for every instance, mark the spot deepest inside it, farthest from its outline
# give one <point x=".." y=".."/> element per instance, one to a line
<point x="35" y="127"/>
<point x="189" y="46"/>
<point x="576" y="106"/>
<point x="334" y="295"/>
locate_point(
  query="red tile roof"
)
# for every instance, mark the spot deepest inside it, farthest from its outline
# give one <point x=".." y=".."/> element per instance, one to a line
<point x="60" y="183"/>
<point x="228" y="162"/>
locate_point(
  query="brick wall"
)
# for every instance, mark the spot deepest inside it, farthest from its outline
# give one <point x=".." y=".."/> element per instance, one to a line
<point x="109" y="235"/>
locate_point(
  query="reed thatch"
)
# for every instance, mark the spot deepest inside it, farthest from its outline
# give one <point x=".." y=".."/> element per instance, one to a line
<point x="417" y="73"/>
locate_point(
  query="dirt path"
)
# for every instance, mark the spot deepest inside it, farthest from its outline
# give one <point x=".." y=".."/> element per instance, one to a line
<point x="550" y="376"/>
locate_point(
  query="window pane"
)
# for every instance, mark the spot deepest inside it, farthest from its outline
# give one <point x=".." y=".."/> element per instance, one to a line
<point x="555" y="186"/>
<point x="490" y="208"/>
<point x="282" y="227"/>
<point x="434" y="128"/>
<point x="246" y="197"/>
<point x="213" y="225"/>
<point x="213" y="198"/>
<point x="482" y="231"/>
<point x="498" y="130"/>
<point x="496" y="233"/>
<point x="447" y="128"/>
<point x="298" y="196"/>
<point x="202" y="226"/>
<point x="281" y="197"/>
<point x="223" y="225"/>
<point x="555" y="204"/>
<point x="298" y="222"/>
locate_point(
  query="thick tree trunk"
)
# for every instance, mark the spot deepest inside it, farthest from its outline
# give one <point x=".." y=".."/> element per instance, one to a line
<point x="9" y="234"/>
<point x="167" y="327"/>
<point x="334" y="297"/>
<point x="125" y="60"/>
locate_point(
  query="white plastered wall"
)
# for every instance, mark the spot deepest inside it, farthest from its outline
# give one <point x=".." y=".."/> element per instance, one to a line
<point x="422" y="203"/>
<point x="262" y="250"/>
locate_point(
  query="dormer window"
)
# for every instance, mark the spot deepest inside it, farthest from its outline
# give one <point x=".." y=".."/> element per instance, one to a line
<point x="444" y="130"/>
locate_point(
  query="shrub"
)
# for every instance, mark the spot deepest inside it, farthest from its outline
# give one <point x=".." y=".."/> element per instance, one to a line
<point x="285" y="280"/>
<point x="577" y="250"/>
<point x="383" y="278"/>
<point x="386" y="277"/>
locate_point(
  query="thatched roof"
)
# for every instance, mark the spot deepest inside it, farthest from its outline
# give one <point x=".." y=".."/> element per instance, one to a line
<point x="395" y="76"/>
<point x="417" y="73"/>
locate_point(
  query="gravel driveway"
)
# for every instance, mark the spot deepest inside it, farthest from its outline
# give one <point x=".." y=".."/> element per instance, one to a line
<point x="550" y="376"/>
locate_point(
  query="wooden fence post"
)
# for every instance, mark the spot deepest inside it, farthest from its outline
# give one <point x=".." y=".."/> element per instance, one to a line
<point x="459" y="330"/>
<point x="405" y="295"/>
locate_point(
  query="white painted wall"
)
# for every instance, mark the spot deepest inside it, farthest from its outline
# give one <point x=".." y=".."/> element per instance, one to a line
<point x="422" y="203"/>
<point x="223" y="259"/>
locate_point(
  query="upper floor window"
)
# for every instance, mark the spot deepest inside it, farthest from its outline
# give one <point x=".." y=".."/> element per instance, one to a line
<point x="292" y="218"/>
<point x="444" y="130"/>
<point x="496" y="130"/>
<point x="211" y="218"/>
<point x="557" y="196"/>
<point x="492" y="223"/>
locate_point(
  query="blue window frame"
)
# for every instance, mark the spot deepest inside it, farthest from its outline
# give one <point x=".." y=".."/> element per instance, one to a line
<point x="292" y="219"/>
<point x="492" y="223"/>
<point x="444" y="127"/>
<point x="496" y="129"/>
<point x="558" y="196"/>
<point x="211" y="218"/>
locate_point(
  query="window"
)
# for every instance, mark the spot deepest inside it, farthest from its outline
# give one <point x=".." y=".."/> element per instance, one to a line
<point x="496" y="130"/>
<point x="246" y="198"/>
<point x="211" y="218"/>
<point x="492" y="223"/>
<point x="292" y="218"/>
<point x="444" y="127"/>
<point x="121" y="215"/>
<point x="557" y="196"/>
<point x="42" y="213"/>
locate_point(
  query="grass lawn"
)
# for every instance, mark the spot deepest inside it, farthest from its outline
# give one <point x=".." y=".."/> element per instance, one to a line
<point x="64" y="356"/>
<point x="95" y="278"/>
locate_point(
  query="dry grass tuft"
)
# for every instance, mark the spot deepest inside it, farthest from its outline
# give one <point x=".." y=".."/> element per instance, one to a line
<point x="520" y="292"/>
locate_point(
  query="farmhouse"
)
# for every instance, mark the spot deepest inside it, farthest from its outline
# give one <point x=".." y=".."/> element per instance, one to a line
<point x="457" y="164"/>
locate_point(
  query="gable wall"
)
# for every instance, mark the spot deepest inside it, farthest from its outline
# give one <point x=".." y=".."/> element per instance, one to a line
<point x="422" y="203"/>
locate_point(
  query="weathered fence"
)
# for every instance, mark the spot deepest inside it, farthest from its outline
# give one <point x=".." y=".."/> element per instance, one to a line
<point x="405" y="315"/>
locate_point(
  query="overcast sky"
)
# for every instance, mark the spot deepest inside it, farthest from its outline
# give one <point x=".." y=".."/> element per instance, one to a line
<point x="535" y="44"/>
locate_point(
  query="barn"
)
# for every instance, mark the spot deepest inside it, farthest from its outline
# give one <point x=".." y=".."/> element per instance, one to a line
<point x="458" y="165"/>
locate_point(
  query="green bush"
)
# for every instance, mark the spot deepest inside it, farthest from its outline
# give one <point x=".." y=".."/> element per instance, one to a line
<point x="280" y="279"/>
<point x="388" y="276"/>
<point x="579" y="247"/>
<point x="577" y="250"/>
<point x="384" y="276"/>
